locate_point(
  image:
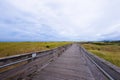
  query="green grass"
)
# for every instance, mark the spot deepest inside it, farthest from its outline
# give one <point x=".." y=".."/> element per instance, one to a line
<point x="14" y="48"/>
<point x="107" y="51"/>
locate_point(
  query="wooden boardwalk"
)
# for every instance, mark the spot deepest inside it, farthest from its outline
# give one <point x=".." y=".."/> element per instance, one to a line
<point x="71" y="65"/>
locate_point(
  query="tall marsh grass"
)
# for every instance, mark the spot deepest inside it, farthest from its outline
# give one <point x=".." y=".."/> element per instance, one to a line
<point x="109" y="52"/>
<point x="14" y="48"/>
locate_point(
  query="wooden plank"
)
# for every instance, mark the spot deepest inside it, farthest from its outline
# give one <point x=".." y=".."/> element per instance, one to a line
<point x="71" y="65"/>
<point x="24" y="71"/>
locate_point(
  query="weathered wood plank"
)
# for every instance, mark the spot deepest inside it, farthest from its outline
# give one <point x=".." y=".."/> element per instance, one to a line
<point x="71" y="65"/>
<point x="33" y="64"/>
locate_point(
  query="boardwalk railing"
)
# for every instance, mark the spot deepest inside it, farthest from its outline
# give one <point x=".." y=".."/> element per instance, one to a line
<point x="109" y="70"/>
<point x="20" y="67"/>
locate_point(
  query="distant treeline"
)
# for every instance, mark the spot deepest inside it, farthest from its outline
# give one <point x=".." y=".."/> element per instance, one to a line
<point x="103" y="42"/>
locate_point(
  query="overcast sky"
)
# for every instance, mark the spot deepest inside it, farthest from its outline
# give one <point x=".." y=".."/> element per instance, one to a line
<point x="59" y="20"/>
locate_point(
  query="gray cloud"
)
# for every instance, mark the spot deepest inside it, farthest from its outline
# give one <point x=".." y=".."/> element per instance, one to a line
<point x="59" y="20"/>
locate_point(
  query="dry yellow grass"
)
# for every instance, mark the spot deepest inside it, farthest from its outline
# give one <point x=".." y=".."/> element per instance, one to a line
<point x="13" y="48"/>
<point x="107" y="51"/>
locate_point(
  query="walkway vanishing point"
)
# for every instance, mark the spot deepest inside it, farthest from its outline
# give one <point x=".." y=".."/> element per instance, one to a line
<point x="71" y="65"/>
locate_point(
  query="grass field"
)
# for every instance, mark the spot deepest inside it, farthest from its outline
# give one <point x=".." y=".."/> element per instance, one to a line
<point x="14" y="48"/>
<point x="109" y="51"/>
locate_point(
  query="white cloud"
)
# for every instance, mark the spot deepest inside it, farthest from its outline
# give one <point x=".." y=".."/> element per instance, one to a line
<point x="69" y="19"/>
